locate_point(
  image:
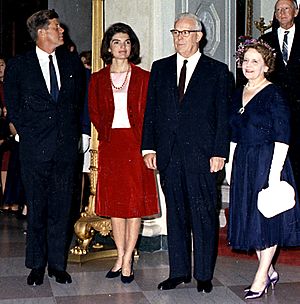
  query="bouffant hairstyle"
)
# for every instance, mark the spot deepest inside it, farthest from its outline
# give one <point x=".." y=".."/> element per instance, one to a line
<point x="267" y="52"/>
<point x="115" y="28"/>
<point x="39" y="20"/>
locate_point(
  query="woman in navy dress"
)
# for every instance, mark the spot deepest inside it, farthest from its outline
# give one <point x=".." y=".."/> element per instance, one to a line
<point x="258" y="158"/>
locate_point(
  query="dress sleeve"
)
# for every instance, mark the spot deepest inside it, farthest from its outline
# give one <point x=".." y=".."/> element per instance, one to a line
<point x="280" y="117"/>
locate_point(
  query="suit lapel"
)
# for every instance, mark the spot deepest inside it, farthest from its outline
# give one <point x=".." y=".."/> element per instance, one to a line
<point x="275" y="43"/>
<point x="295" y="50"/>
<point x="36" y="70"/>
<point x="63" y="72"/>
<point x="197" y="76"/>
<point x="172" y="78"/>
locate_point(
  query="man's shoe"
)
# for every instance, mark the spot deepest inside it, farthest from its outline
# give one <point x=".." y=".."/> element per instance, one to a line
<point x="61" y="277"/>
<point x="36" y="277"/>
<point x="171" y="283"/>
<point x="204" y="286"/>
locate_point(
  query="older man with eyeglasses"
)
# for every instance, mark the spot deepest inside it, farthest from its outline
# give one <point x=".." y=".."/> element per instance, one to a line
<point x="185" y="137"/>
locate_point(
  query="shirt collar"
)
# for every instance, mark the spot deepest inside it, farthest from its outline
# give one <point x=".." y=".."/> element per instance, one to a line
<point x="191" y="60"/>
<point x="42" y="55"/>
<point x="291" y="30"/>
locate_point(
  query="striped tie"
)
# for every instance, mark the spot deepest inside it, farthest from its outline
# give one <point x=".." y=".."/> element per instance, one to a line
<point x="285" y="47"/>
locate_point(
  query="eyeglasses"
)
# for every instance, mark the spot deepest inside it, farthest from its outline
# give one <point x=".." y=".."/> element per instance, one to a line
<point x="184" y="33"/>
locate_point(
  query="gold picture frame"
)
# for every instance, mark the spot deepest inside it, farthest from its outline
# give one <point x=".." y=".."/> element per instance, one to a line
<point x="249" y="18"/>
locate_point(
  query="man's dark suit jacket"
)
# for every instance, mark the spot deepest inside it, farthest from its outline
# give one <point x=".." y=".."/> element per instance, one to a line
<point x="288" y="77"/>
<point x="199" y="123"/>
<point x="47" y="129"/>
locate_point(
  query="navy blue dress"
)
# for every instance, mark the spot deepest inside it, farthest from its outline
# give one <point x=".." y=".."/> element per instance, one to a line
<point x="265" y="120"/>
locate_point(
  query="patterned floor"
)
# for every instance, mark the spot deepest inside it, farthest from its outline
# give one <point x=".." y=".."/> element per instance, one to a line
<point x="89" y="285"/>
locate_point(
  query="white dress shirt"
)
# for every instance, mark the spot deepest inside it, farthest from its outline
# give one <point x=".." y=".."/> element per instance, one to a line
<point x="43" y="58"/>
<point x="280" y="33"/>
<point x="120" y="119"/>
<point x="190" y="67"/>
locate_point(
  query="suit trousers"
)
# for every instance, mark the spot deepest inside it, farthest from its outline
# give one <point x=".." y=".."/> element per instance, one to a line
<point x="191" y="201"/>
<point x="48" y="187"/>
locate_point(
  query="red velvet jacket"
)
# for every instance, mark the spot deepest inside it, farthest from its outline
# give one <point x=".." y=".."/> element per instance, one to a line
<point x="101" y="101"/>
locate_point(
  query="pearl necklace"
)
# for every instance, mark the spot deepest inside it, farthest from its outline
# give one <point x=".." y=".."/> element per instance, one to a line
<point x="248" y="87"/>
<point x="124" y="82"/>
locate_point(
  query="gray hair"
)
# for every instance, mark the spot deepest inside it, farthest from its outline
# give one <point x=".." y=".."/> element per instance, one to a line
<point x="294" y="2"/>
<point x="190" y="16"/>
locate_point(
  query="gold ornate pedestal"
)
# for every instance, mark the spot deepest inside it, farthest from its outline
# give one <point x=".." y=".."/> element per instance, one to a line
<point x="89" y="224"/>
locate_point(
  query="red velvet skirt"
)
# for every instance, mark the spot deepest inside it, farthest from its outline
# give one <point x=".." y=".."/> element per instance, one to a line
<point x="125" y="187"/>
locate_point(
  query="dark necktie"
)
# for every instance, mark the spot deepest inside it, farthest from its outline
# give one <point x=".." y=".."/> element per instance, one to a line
<point x="285" y="47"/>
<point x="181" y="83"/>
<point x="53" y="80"/>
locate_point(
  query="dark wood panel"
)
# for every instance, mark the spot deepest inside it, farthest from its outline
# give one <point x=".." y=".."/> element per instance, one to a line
<point x="14" y="37"/>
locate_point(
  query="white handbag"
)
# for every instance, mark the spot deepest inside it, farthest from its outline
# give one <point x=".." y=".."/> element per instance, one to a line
<point x="276" y="199"/>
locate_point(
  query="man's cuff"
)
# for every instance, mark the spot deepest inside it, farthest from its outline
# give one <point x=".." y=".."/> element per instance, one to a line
<point x="144" y="152"/>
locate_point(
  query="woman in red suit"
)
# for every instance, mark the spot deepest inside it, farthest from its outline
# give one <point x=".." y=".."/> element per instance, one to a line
<point x="126" y="189"/>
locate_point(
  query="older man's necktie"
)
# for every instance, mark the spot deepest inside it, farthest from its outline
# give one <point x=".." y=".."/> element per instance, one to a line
<point x="285" y="47"/>
<point x="54" y="90"/>
<point x="181" y="84"/>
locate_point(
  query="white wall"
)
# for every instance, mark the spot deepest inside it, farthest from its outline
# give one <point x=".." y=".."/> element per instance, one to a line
<point x="76" y="15"/>
<point x="152" y="27"/>
<point x="267" y="10"/>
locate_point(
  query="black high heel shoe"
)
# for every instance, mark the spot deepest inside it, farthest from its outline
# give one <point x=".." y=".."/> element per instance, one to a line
<point x="130" y="278"/>
<point x="274" y="278"/>
<point x="247" y="288"/>
<point x="113" y="274"/>
<point x="257" y="294"/>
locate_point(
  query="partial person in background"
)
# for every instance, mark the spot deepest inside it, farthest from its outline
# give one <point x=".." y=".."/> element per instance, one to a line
<point x="260" y="134"/>
<point x="13" y="199"/>
<point x="5" y="138"/>
<point x="286" y="41"/>
<point x="43" y="92"/>
<point x="14" y="193"/>
<point x="86" y="58"/>
<point x="126" y="189"/>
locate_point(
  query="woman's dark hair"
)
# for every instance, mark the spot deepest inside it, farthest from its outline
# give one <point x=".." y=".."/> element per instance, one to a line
<point x="87" y="55"/>
<point x="40" y="20"/>
<point x="134" y="56"/>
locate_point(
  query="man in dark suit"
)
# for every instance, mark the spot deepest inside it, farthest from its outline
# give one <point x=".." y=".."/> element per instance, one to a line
<point x="185" y="137"/>
<point x="287" y="70"/>
<point x="43" y="94"/>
